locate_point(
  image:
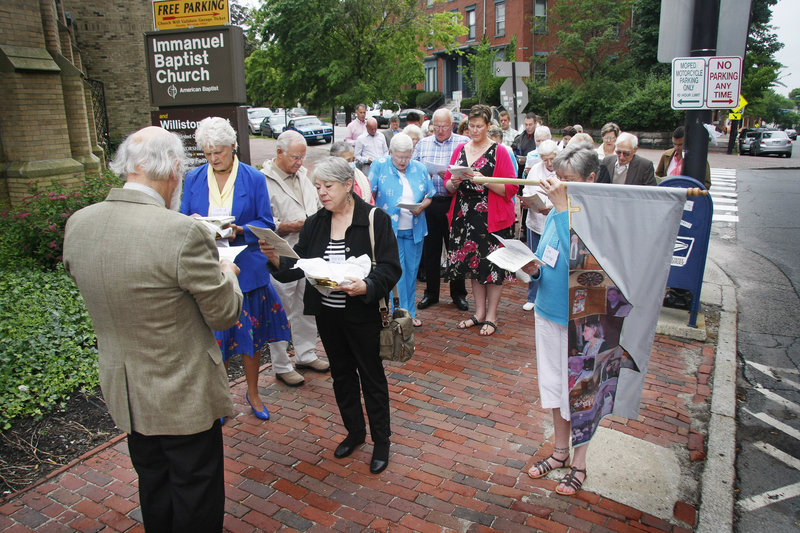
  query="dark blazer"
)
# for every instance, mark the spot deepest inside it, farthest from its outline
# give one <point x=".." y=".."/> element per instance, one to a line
<point x="640" y="171"/>
<point x="663" y="165"/>
<point x="314" y="238"/>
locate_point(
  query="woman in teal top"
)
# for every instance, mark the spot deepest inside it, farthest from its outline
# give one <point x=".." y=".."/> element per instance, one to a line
<point x="397" y="179"/>
<point x="574" y="163"/>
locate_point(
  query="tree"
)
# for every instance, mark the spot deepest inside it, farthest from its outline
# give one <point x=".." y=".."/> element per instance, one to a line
<point x="644" y="37"/>
<point x="479" y="71"/>
<point x="760" y="69"/>
<point x="794" y="95"/>
<point x="589" y="38"/>
<point x="342" y="52"/>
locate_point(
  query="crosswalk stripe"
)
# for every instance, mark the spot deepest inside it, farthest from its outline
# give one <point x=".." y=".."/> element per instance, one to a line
<point x="777" y="398"/>
<point x="777" y="424"/>
<point x="780" y="455"/>
<point x="723" y="192"/>
<point x="767" y="498"/>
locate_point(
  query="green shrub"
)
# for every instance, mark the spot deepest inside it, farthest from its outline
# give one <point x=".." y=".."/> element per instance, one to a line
<point x="48" y="350"/>
<point x="427" y="99"/>
<point x="408" y="98"/>
<point x="32" y="233"/>
<point x="467" y="103"/>
<point x="647" y="106"/>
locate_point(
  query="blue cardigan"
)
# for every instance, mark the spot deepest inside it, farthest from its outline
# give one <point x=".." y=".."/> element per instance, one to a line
<point x="387" y="188"/>
<point x="552" y="300"/>
<point x="250" y="206"/>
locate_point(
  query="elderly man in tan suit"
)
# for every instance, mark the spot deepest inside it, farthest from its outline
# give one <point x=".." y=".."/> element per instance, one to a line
<point x="155" y="288"/>
<point x="293" y="198"/>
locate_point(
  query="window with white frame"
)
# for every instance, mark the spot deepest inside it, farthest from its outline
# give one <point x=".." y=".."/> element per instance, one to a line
<point x="471" y="21"/>
<point x="540" y="16"/>
<point x="431" y="80"/>
<point x="499" y="18"/>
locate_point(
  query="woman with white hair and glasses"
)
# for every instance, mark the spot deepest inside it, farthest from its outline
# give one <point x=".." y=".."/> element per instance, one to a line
<point x="396" y="179"/>
<point x="225" y="186"/>
<point x="573" y="163"/>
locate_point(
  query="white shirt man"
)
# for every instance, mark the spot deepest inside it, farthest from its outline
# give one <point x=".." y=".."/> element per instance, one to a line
<point x="370" y="146"/>
<point x="509" y="133"/>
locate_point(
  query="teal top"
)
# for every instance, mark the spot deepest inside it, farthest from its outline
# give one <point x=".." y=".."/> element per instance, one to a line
<point x="388" y="189"/>
<point x="552" y="300"/>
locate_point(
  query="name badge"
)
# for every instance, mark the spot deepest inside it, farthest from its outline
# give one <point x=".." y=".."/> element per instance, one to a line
<point x="550" y="256"/>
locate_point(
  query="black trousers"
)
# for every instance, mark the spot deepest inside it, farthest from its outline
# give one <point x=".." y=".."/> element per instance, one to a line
<point x="181" y="483"/>
<point x="352" y="349"/>
<point x="438" y="231"/>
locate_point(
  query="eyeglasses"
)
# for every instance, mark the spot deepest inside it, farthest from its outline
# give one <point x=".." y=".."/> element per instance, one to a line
<point x="296" y="157"/>
<point x="625" y="153"/>
<point x="404" y="158"/>
<point x="441" y="128"/>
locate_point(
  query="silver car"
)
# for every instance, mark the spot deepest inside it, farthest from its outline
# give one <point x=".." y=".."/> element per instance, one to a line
<point x="771" y="142"/>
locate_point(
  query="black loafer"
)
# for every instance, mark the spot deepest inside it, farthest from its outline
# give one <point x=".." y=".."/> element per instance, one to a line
<point x="348" y="446"/>
<point x="461" y="303"/>
<point x="376" y="466"/>
<point x="426" y="302"/>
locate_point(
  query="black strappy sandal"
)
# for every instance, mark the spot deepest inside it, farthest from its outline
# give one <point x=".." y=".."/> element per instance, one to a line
<point x="572" y="482"/>
<point x="544" y="467"/>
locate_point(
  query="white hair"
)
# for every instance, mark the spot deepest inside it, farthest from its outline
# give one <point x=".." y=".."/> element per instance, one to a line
<point x="443" y="112"/>
<point x="401" y="143"/>
<point x="626" y="137"/>
<point x="154" y="154"/>
<point x="547" y="147"/>
<point x="413" y="130"/>
<point x="578" y="128"/>
<point x="542" y="133"/>
<point x="216" y="132"/>
<point x="288" y="138"/>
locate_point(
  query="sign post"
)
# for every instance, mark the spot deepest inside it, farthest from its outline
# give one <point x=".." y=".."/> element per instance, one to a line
<point x="512" y="98"/>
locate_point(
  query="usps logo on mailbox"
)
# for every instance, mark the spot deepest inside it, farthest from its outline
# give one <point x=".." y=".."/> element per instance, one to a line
<point x="682" y="250"/>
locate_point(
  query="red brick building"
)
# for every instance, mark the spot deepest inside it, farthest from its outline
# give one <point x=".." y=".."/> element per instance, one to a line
<point x="499" y="21"/>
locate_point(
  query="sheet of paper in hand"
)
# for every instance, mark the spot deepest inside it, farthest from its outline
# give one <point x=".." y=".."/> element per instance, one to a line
<point x="229" y="252"/>
<point x="281" y="246"/>
<point x="513" y="256"/>
<point x="409" y="206"/>
<point x="534" y="202"/>
<point x="460" y="172"/>
<point x="326" y="276"/>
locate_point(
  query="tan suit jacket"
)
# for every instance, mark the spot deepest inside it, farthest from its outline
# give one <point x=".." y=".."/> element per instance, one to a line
<point x="151" y="281"/>
<point x="286" y="205"/>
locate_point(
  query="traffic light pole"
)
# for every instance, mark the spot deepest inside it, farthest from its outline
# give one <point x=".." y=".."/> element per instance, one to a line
<point x="704" y="43"/>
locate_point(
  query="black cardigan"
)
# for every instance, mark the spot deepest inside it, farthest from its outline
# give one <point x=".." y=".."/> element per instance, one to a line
<point x="314" y="238"/>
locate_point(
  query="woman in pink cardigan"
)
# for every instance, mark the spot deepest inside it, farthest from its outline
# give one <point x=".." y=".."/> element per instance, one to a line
<point x="476" y="212"/>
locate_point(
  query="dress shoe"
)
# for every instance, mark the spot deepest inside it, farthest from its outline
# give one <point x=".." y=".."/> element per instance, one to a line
<point x="427" y="301"/>
<point x="461" y="303"/>
<point x="263" y="414"/>
<point x="291" y="378"/>
<point x="348" y="446"/>
<point x="380" y="458"/>
<point x="317" y="365"/>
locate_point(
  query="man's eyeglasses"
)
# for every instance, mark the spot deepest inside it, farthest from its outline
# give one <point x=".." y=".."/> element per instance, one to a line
<point x="296" y="157"/>
<point x="441" y="128"/>
<point x="624" y="153"/>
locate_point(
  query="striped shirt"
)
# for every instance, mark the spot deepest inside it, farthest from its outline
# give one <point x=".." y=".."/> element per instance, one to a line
<point x="334" y="253"/>
<point x="431" y="151"/>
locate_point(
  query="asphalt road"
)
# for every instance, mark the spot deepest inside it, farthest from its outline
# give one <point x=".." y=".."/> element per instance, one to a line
<point x="761" y="254"/>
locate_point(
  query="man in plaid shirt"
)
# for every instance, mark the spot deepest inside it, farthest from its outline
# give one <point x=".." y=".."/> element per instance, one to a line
<point x="434" y="152"/>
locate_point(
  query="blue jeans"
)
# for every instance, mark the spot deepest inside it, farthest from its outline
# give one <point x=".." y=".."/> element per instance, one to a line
<point x="410" y="254"/>
<point x="532" y="239"/>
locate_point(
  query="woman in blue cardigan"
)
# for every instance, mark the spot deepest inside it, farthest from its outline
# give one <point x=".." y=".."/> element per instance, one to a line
<point x="225" y="186"/>
<point x="397" y="179"/>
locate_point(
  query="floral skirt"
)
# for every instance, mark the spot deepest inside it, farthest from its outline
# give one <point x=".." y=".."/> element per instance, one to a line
<point x="262" y="321"/>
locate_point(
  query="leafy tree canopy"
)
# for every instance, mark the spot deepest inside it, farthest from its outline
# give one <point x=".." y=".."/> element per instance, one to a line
<point x="342" y="52"/>
<point x="590" y="32"/>
<point x="760" y="69"/>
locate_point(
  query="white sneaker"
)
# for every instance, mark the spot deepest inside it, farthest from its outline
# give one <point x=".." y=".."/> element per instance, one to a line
<point x="528" y="306"/>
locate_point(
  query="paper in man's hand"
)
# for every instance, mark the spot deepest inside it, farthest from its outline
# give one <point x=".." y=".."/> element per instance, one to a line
<point x="272" y="238"/>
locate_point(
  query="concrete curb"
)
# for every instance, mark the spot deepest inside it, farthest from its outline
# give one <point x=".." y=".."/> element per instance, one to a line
<point x="717" y="486"/>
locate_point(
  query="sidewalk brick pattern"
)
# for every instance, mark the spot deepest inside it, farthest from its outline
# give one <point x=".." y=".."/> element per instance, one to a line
<point x="466" y="426"/>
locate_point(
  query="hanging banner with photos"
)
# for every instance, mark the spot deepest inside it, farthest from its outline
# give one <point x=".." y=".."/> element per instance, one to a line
<point x="621" y="243"/>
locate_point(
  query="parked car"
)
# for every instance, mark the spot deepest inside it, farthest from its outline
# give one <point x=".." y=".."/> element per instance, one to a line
<point x="792" y="133"/>
<point x="312" y="128"/>
<point x="423" y="116"/>
<point x="256" y="115"/>
<point x="273" y="125"/>
<point x="745" y="138"/>
<point x="296" y="112"/>
<point x="771" y="142"/>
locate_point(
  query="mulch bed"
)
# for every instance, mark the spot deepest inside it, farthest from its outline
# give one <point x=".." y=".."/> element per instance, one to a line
<point x="32" y="448"/>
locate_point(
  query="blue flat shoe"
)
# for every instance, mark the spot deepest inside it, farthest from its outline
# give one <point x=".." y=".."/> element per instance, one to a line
<point x="263" y="414"/>
<point x="222" y="421"/>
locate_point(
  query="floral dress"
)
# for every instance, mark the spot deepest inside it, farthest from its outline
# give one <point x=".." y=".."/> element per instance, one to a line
<point x="470" y="240"/>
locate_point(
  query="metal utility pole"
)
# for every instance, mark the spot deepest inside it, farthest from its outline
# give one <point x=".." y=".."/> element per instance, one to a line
<point x="704" y="44"/>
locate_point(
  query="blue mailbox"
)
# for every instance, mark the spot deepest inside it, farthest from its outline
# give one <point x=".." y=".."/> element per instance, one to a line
<point x="691" y="246"/>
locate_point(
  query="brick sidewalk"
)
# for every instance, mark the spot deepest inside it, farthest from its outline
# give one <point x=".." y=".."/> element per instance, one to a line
<point x="466" y="425"/>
